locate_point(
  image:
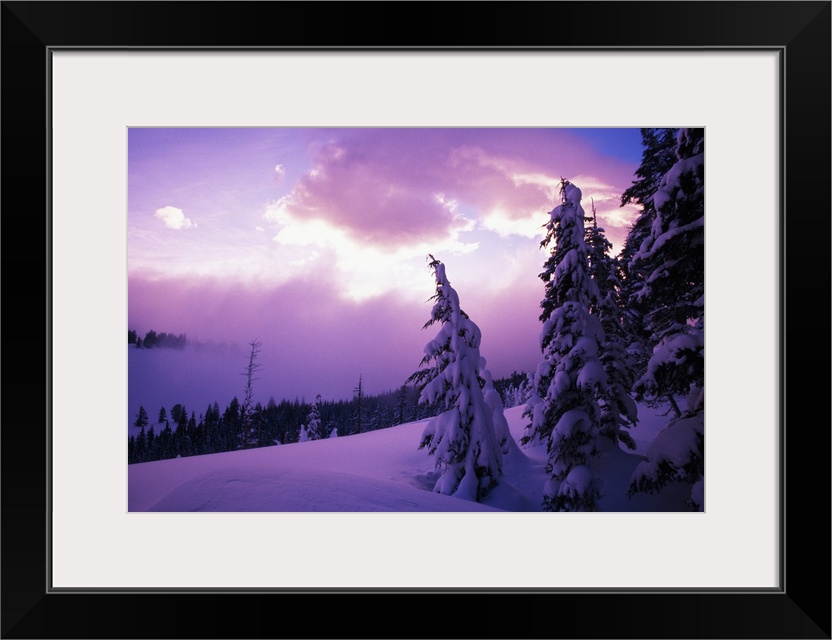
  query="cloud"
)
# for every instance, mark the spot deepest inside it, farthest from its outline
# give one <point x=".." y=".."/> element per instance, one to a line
<point x="361" y="270"/>
<point x="392" y="190"/>
<point x="510" y="193"/>
<point x="360" y="191"/>
<point x="504" y="224"/>
<point x="374" y="202"/>
<point x="371" y="212"/>
<point x="174" y="218"/>
<point x="371" y="203"/>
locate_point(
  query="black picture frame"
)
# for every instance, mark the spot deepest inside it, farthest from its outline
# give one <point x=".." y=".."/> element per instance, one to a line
<point x="800" y="608"/>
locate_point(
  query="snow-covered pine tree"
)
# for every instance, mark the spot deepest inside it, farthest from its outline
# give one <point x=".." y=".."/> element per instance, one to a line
<point x="461" y="436"/>
<point x="658" y="156"/>
<point x="565" y="412"/>
<point x="313" y="421"/>
<point x="601" y="266"/>
<point x="673" y="260"/>
<point x="618" y="409"/>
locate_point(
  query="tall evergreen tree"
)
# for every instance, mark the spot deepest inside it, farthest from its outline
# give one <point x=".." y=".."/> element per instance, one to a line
<point x="600" y="263"/>
<point x="658" y="156"/>
<point x="401" y="405"/>
<point x="231" y="425"/>
<point x="673" y="260"/>
<point x="176" y="412"/>
<point x="618" y="409"/>
<point x="462" y="436"/>
<point x="358" y="399"/>
<point x="141" y="418"/>
<point x="565" y="412"/>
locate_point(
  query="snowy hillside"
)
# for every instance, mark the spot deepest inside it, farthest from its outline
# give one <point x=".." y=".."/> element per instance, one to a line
<point x="379" y="471"/>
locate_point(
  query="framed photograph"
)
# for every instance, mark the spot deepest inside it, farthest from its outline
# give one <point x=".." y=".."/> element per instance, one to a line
<point x="95" y="97"/>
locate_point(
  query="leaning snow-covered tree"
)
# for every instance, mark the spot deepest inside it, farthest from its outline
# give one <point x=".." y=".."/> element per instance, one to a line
<point x="672" y="258"/>
<point x="461" y="437"/>
<point x="565" y="412"/>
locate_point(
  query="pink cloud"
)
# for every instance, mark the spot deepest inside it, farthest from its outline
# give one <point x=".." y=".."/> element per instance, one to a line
<point x="358" y="190"/>
<point x="395" y="186"/>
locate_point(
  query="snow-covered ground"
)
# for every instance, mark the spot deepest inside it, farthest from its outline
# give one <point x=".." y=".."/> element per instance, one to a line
<point x="378" y="471"/>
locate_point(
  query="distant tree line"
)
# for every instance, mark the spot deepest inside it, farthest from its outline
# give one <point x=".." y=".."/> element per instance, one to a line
<point x="183" y="433"/>
<point x="515" y="389"/>
<point x="152" y="339"/>
<point x="213" y="431"/>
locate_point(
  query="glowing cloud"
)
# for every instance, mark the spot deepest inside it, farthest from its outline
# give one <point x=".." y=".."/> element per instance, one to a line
<point x="355" y="190"/>
<point x="174" y="218"/>
<point x="361" y="270"/>
<point x="503" y="224"/>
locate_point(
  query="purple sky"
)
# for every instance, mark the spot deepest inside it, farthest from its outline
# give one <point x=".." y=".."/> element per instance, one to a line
<point x="313" y="241"/>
